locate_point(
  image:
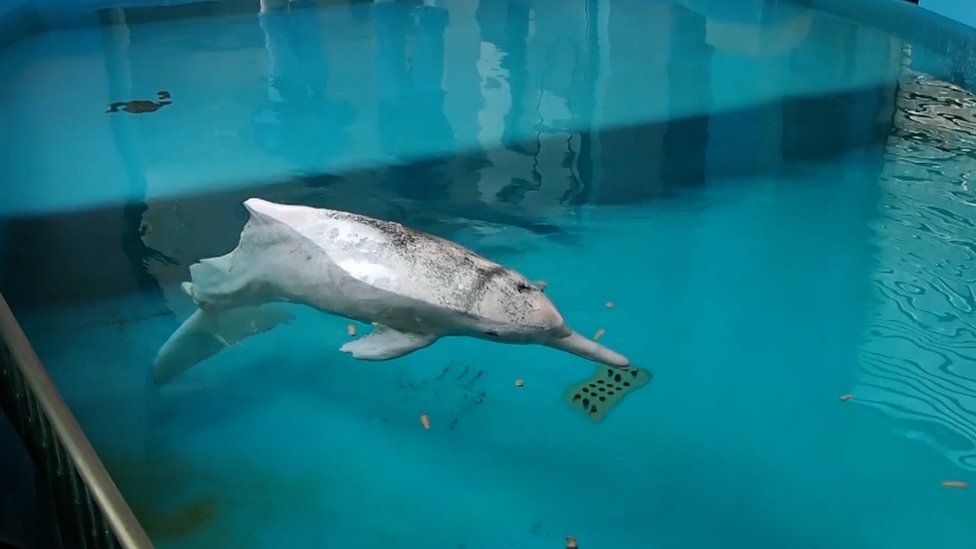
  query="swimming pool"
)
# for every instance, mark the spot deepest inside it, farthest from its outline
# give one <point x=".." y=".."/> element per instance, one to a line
<point x="775" y="197"/>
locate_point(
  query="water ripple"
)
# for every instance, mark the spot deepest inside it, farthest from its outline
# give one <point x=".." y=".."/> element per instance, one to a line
<point x="918" y="363"/>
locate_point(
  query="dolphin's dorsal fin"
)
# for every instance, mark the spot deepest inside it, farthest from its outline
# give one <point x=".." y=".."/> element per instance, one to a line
<point x="384" y="343"/>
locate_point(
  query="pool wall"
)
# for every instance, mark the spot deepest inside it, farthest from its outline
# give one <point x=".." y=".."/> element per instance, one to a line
<point x="18" y="18"/>
<point x="681" y="134"/>
<point x="963" y="11"/>
<point x="941" y="46"/>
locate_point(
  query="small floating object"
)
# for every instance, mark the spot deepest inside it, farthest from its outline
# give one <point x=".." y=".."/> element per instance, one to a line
<point x="955" y="484"/>
<point x="610" y="304"/>
<point x="425" y="421"/>
<point x="519" y="383"/>
<point x="847" y="396"/>
<point x="571" y="543"/>
<point x="351" y="330"/>
<point x="139" y="106"/>
<point x="599" y="333"/>
<point x="541" y="284"/>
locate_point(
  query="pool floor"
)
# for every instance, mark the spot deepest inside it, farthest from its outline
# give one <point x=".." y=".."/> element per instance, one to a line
<point x="741" y="439"/>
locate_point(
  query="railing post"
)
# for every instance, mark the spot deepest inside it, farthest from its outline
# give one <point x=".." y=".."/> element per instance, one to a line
<point x="91" y="511"/>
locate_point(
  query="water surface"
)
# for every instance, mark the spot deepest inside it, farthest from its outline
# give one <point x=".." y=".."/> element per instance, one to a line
<point x="776" y="199"/>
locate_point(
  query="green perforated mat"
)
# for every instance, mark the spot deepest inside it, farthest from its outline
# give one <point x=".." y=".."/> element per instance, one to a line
<point x="598" y="395"/>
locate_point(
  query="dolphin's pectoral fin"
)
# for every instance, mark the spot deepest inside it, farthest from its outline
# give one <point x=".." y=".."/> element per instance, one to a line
<point x="384" y="343"/>
<point x="596" y="396"/>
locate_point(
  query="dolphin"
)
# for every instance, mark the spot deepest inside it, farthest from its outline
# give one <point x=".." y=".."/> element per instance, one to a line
<point x="413" y="287"/>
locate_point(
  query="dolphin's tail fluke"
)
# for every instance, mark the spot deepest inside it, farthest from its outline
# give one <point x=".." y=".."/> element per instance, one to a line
<point x="204" y="334"/>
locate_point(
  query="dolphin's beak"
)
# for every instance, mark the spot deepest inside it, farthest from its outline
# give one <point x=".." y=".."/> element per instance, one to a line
<point x="587" y="348"/>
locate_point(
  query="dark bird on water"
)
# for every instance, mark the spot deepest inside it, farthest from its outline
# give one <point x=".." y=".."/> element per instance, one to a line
<point x="141" y="105"/>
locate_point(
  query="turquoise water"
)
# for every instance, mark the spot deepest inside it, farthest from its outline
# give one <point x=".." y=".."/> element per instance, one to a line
<point x="777" y="201"/>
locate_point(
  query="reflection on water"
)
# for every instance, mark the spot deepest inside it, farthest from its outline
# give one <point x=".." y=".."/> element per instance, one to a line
<point x="490" y="117"/>
<point x="298" y="116"/>
<point x="919" y="363"/>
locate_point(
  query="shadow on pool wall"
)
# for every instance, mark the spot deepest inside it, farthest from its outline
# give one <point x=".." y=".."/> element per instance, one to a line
<point x="18" y="19"/>
<point x="532" y="185"/>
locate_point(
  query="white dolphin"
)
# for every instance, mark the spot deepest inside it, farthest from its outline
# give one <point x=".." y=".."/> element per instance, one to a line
<point x="413" y="287"/>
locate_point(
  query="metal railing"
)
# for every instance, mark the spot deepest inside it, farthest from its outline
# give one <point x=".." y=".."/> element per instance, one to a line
<point x="91" y="512"/>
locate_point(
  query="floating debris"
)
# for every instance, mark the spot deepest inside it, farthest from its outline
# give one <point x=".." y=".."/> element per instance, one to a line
<point x="847" y="396"/>
<point x="541" y="284"/>
<point x="599" y="333"/>
<point x="351" y="330"/>
<point x="425" y="421"/>
<point x="571" y="542"/>
<point x="519" y="383"/>
<point x="610" y="304"/>
<point x="140" y="106"/>
<point x="955" y="484"/>
<point x="596" y="396"/>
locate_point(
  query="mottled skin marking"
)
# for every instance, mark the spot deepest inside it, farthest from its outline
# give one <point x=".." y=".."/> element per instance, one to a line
<point x="400" y="236"/>
<point x="480" y="287"/>
<point x="443" y="262"/>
